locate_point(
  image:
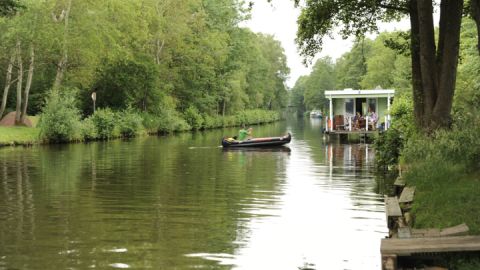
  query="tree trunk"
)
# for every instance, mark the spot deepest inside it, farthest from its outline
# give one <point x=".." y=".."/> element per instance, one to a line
<point x="8" y="81"/>
<point x="62" y="63"/>
<point x="447" y="59"/>
<point x="475" y="12"/>
<point x="434" y="68"/>
<point x="159" y="49"/>
<point x="19" y="84"/>
<point x="428" y="64"/>
<point x="29" y="84"/>
<point x="418" y="97"/>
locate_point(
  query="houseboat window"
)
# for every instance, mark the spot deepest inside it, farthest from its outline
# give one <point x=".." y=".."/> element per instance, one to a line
<point x="349" y="107"/>
<point x="372" y="104"/>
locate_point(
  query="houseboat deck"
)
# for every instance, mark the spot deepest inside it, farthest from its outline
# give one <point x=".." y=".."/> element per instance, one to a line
<point x="352" y="131"/>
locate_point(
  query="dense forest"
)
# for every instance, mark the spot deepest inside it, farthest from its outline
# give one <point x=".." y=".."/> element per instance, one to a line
<point x="160" y="57"/>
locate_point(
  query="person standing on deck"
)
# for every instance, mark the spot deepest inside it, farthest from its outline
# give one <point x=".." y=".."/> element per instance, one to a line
<point x="374" y="119"/>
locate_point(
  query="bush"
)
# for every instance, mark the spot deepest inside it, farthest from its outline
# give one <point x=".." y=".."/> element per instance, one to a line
<point x="88" y="129"/>
<point x="194" y="118"/>
<point x="105" y="124"/>
<point x="60" y="120"/>
<point x="212" y="122"/>
<point x="130" y="123"/>
<point x="389" y="145"/>
<point x="151" y="122"/>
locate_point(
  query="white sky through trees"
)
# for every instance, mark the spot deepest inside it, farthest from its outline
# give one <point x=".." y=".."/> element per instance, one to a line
<point x="279" y="18"/>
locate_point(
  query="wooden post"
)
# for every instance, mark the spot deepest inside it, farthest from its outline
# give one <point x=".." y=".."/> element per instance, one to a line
<point x="326" y="124"/>
<point x="389" y="262"/>
<point x="331" y="110"/>
<point x="94" y="98"/>
<point x="366" y="123"/>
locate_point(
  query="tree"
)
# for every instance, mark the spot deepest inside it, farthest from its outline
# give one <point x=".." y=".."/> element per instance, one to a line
<point x="125" y="83"/>
<point x="352" y="66"/>
<point x="297" y="95"/>
<point x="322" y="78"/>
<point x="434" y="66"/>
<point x="380" y="65"/>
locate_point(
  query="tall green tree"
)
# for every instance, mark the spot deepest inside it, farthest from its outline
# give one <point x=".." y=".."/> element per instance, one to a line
<point x="380" y="65"/>
<point x="434" y="65"/>
<point x="321" y="78"/>
<point x="352" y="66"/>
<point x="297" y="95"/>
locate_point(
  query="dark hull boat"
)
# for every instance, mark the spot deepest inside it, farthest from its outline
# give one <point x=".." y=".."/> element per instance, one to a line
<point x="257" y="142"/>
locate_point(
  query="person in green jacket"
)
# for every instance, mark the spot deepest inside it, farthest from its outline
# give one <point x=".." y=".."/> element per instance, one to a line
<point x="244" y="133"/>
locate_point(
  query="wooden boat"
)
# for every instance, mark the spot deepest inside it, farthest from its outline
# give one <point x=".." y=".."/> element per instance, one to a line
<point x="257" y="142"/>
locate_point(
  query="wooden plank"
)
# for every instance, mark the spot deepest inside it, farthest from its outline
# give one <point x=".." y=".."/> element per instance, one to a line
<point x="392" y="207"/>
<point x="406" y="247"/>
<point x="400" y="182"/>
<point x="407" y="195"/>
<point x="404" y="232"/>
<point x="461" y="229"/>
<point x="421" y="233"/>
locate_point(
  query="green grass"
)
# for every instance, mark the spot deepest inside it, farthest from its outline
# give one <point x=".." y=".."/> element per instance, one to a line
<point x="34" y="120"/>
<point x="445" y="196"/>
<point x="18" y="135"/>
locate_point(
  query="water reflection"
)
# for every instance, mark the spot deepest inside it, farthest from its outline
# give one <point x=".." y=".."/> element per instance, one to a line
<point x="182" y="202"/>
<point x="327" y="215"/>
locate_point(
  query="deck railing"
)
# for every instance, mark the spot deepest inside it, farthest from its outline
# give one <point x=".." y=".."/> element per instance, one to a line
<point x="329" y="125"/>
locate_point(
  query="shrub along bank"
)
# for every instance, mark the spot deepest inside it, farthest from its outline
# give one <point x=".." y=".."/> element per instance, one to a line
<point x="61" y="122"/>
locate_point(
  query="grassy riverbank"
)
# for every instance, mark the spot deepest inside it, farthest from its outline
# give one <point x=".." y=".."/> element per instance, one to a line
<point x="19" y="136"/>
<point x="107" y="124"/>
<point x="445" y="169"/>
<point x="445" y="196"/>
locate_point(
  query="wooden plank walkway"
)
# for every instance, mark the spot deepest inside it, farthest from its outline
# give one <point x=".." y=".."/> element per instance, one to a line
<point x="409" y="246"/>
<point x="400" y="182"/>
<point x="392" y="207"/>
<point x="461" y="229"/>
<point x="407" y="195"/>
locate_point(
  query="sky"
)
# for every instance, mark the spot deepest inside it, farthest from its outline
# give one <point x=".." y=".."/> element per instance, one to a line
<point x="279" y="18"/>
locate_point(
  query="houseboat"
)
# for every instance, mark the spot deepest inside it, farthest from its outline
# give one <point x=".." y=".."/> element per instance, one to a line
<point x="358" y="111"/>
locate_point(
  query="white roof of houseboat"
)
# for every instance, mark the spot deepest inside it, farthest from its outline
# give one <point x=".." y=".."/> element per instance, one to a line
<point x="349" y="92"/>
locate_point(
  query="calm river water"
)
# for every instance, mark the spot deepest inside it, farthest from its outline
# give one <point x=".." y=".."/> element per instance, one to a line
<point x="183" y="202"/>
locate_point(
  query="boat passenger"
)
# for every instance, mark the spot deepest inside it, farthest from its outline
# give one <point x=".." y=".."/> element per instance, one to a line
<point x="249" y="133"/>
<point x="242" y="134"/>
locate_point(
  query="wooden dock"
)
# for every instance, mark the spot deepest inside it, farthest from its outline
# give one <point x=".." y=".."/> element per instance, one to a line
<point x="404" y="241"/>
<point x="407" y="195"/>
<point x="409" y="246"/>
<point x="352" y="132"/>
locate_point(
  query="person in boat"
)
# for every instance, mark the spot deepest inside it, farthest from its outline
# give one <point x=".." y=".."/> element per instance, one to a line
<point x="249" y="133"/>
<point x="244" y="133"/>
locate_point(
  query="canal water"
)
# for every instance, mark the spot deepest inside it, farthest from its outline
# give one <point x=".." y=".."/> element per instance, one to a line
<point x="183" y="202"/>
